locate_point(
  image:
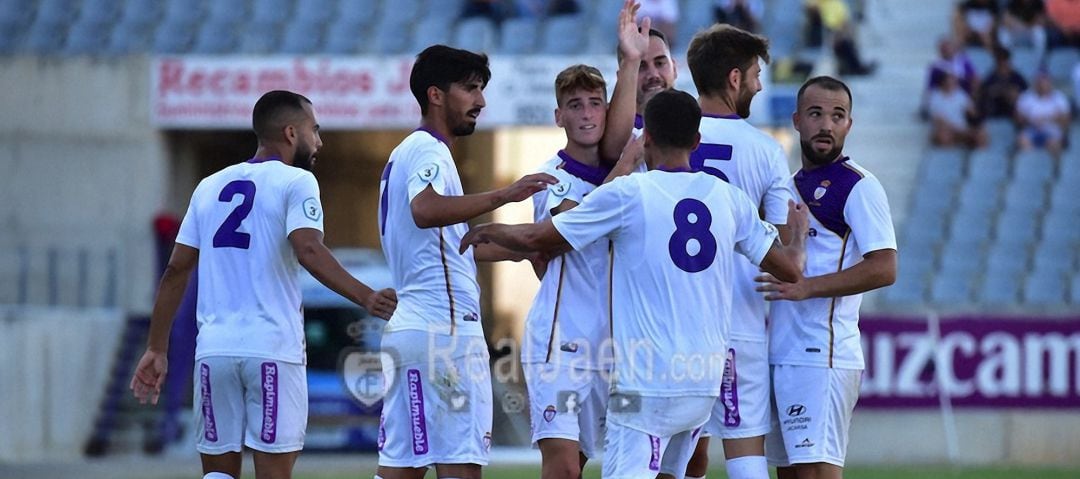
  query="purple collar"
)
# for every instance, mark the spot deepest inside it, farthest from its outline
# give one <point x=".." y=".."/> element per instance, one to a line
<point x="434" y="134"/>
<point x="639" y="122"/>
<point x="592" y="174"/>
<point x="732" y="116"/>
<point x="823" y="168"/>
<point x="260" y="160"/>
<point x="675" y="170"/>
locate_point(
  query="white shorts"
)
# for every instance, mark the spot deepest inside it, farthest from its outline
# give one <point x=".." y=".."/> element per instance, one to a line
<point x="567" y="403"/>
<point x="437" y="408"/>
<point x="742" y="410"/>
<point x="658" y="436"/>
<point x="811" y="414"/>
<point x="254" y="402"/>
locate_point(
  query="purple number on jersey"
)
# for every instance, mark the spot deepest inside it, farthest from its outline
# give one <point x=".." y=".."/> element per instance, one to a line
<point x="227" y="235"/>
<point x="692" y="222"/>
<point x="384" y="201"/>
<point x="710" y="151"/>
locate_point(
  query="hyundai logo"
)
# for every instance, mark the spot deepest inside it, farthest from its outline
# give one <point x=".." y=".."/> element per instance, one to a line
<point x="796" y="410"/>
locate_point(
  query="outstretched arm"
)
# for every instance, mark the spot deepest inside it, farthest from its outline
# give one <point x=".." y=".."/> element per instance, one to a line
<point x="786" y="259"/>
<point x="526" y="238"/>
<point x="150" y="372"/>
<point x="633" y="42"/>
<point x="317" y="259"/>
<point x="876" y="270"/>
<point x="430" y="209"/>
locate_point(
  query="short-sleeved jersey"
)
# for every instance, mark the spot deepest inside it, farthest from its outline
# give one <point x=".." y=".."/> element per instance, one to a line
<point x="754" y="162"/>
<point x="249" y="298"/>
<point x="436" y="286"/>
<point x="671" y="273"/>
<point x="567" y="324"/>
<point x="849" y="217"/>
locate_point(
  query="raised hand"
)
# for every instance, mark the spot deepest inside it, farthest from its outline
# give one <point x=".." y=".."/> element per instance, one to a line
<point x="149" y="376"/>
<point x="476" y="235"/>
<point x="524" y="188"/>
<point x="633" y="38"/>
<point x="798" y="219"/>
<point x="382" y="303"/>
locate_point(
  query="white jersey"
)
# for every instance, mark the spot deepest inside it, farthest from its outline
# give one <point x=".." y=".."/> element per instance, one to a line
<point x="240" y="219"/>
<point x="670" y="274"/>
<point x="849" y="217"/>
<point x="436" y="287"/>
<point x="566" y="324"/>
<point x="754" y="162"/>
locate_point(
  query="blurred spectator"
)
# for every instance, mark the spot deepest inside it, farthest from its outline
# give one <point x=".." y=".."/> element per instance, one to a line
<point x="492" y="9"/>
<point x="1001" y="88"/>
<point x="951" y="59"/>
<point x="1042" y="113"/>
<point x="745" y="14"/>
<point x="975" y="21"/>
<point x="953" y="116"/>
<point x="1064" y="19"/>
<point x="664" y="15"/>
<point x="1023" y="23"/>
<point x="835" y="18"/>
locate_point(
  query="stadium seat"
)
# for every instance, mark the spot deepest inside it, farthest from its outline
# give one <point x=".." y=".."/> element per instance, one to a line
<point x="601" y="40"/>
<point x="942" y="165"/>
<point x="259" y="39"/>
<point x="345" y="39"/>
<point x="1060" y="229"/>
<point x="357" y="13"/>
<point x="909" y="289"/>
<point x="87" y="38"/>
<point x="15" y="12"/>
<point x="1074" y="293"/>
<point x="272" y="12"/>
<point x="518" y="36"/>
<point x="563" y="35"/>
<point x="57" y="11"/>
<point x="981" y="59"/>
<point x="783" y="25"/>
<point x="949" y="290"/>
<point x="960" y="259"/>
<point x="183" y="12"/>
<point x="1060" y="63"/>
<point x="316" y="12"/>
<point x="1021" y="198"/>
<point x="398" y="13"/>
<point x="1016" y="228"/>
<point x="390" y="38"/>
<point x="141" y="12"/>
<point x="446" y="9"/>
<point x="1045" y="289"/>
<point x="988" y="167"/>
<point x="1008" y="259"/>
<point x="430" y="30"/>
<point x="475" y="34"/>
<point x="1070" y="165"/>
<point x="975" y="198"/>
<point x="999" y="289"/>
<point x="11" y="36"/>
<point x="216" y="37"/>
<point x="172" y="38"/>
<point x="1033" y="168"/>
<point x="99" y="11"/>
<point x="924" y="231"/>
<point x="301" y="39"/>
<point x="228" y="12"/>
<point x="45" y="38"/>
<point x="1063" y="196"/>
<point x="694" y="17"/>
<point x="1026" y="62"/>
<point x="126" y="38"/>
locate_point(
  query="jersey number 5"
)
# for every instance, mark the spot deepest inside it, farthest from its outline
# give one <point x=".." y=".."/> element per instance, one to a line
<point x="692" y="222"/>
<point x="227" y="235"/>
<point x="710" y="151"/>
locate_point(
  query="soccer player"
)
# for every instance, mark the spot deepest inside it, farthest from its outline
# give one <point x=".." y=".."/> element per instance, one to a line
<point x="437" y="410"/>
<point x="249" y="228"/>
<point x="725" y="64"/>
<point x="672" y="231"/>
<point x="814" y="347"/>
<point x="565" y="329"/>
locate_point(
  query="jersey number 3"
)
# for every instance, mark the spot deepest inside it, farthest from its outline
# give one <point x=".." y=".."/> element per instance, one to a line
<point x="692" y="246"/>
<point x="227" y="235"/>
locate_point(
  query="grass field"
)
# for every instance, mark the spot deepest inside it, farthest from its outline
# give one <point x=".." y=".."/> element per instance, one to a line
<point x="898" y="472"/>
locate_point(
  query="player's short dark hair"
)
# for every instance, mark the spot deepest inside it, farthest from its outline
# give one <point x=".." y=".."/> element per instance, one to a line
<point x="274" y="110"/>
<point x="715" y="51"/>
<point x="826" y="82"/>
<point x="672" y="119"/>
<point x="652" y="33"/>
<point x="440" y="66"/>
<point x="578" y="77"/>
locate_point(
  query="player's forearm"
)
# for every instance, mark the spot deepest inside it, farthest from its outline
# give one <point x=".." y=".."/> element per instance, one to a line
<point x="170" y="293"/>
<point x="322" y="264"/>
<point x="868" y="275"/>
<point x="438" y="210"/>
<point x="621" y="111"/>
<point x="493" y="252"/>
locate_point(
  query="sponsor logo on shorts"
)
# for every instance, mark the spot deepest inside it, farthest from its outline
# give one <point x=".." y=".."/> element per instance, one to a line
<point x="270" y="402"/>
<point x="654" y="458"/>
<point x="382" y="431"/>
<point x="569" y="347"/>
<point x="209" y="424"/>
<point x="471" y="317"/>
<point x="796" y="410"/>
<point x="549" y="413"/>
<point x="805" y="443"/>
<point x="796" y="420"/>
<point x="729" y="392"/>
<point x="416" y="413"/>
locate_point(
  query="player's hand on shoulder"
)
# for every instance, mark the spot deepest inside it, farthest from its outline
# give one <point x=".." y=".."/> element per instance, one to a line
<point x="149" y="376"/>
<point x="798" y="218"/>
<point x="382" y="303"/>
<point x="525" y="187"/>
<point x="633" y="41"/>
<point x="776" y="290"/>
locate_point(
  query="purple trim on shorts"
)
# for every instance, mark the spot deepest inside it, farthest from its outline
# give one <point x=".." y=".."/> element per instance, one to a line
<point x="209" y="424"/>
<point x="382" y="431"/>
<point x="654" y="459"/>
<point x="269" y="402"/>
<point x="639" y="122"/>
<point x="418" y="423"/>
<point x="729" y="391"/>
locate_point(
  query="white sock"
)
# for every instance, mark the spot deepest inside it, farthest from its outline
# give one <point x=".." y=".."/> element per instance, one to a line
<point x="748" y="467"/>
<point x="217" y="475"/>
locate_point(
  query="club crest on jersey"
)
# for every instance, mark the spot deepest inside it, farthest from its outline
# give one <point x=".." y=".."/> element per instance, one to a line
<point x="549" y="413"/>
<point x="821" y="190"/>
<point x="560" y="189"/>
<point x="428" y="172"/>
<point x="312" y="209"/>
<point x="470" y="317"/>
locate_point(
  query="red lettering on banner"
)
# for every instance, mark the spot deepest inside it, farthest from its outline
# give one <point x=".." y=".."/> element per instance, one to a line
<point x="170" y="77"/>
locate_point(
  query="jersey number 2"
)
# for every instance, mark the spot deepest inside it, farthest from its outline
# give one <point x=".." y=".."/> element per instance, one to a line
<point x="227" y="235"/>
<point x="692" y="222"/>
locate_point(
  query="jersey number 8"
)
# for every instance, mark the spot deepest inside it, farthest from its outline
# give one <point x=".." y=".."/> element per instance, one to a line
<point x="692" y="222"/>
